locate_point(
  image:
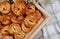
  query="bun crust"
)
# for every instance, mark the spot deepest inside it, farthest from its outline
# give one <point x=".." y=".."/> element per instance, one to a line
<point x="4" y="30"/>
<point x="30" y="8"/>
<point x="14" y="28"/>
<point x="5" y="19"/>
<point x="18" y="8"/>
<point x="25" y="29"/>
<point x="4" y="7"/>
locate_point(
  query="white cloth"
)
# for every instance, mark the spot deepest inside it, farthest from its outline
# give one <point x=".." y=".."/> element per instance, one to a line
<point x="52" y="29"/>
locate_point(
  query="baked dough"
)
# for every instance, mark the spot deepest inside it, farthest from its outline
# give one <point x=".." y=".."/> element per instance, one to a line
<point x="30" y="8"/>
<point x="25" y="28"/>
<point x="5" y="19"/>
<point x="4" y="30"/>
<point x="20" y="35"/>
<point x="18" y="8"/>
<point x="14" y="28"/>
<point x="17" y="19"/>
<point x="4" y="7"/>
<point x="37" y="14"/>
<point x="31" y="20"/>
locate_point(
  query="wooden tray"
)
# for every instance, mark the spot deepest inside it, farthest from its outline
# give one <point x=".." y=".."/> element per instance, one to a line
<point x="44" y="19"/>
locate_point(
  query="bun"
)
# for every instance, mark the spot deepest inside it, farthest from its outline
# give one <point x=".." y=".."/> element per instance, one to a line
<point x="16" y="19"/>
<point x="18" y="8"/>
<point x="30" y="8"/>
<point x="5" y="19"/>
<point x="25" y="28"/>
<point x="20" y="35"/>
<point x="4" y="7"/>
<point x="4" y="30"/>
<point x="31" y="20"/>
<point x="14" y="28"/>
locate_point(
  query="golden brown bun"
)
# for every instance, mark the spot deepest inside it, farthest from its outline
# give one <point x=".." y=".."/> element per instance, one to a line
<point x="30" y="8"/>
<point x="5" y="19"/>
<point x="4" y="7"/>
<point x="18" y="8"/>
<point x="37" y="14"/>
<point x="14" y="28"/>
<point x="4" y="30"/>
<point x="25" y="29"/>
<point x="20" y="35"/>
<point x="17" y="19"/>
<point x="31" y="20"/>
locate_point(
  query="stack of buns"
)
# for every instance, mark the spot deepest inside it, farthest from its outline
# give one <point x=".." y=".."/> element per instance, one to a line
<point x="17" y="19"/>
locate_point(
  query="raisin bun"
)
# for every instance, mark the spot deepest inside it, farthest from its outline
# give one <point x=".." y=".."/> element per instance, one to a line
<point x="18" y="8"/>
<point x="4" y="7"/>
<point x="25" y="28"/>
<point x="14" y="28"/>
<point x="4" y="30"/>
<point x="31" y="20"/>
<point x="20" y="35"/>
<point x="5" y="19"/>
<point x="30" y="8"/>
